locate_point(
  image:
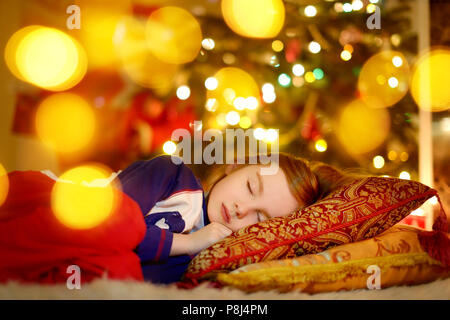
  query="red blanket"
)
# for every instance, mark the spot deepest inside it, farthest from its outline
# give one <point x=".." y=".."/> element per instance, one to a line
<point x="36" y="247"/>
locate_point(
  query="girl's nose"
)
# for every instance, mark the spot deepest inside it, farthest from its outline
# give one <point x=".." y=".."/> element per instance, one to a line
<point x="241" y="210"/>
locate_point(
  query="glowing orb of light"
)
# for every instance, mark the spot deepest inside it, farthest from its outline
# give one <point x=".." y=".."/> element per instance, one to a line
<point x="232" y="118"/>
<point x="65" y="122"/>
<point x="378" y="162"/>
<point x="321" y="145"/>
<point x="183" y="92"/>
<point x="259" y="134"/>
<point x="169" y="147"/>
<point x="82" y="198"/>
<point x="404" y="175"/>
<point x="46" y="57"/>
<point x="99" y="20"/>
<point x="232" y="83"/>
<point x="430" y="79"/>
<point x="137" y="61"/>
<point x="254" y="18"/>
<point x="361" y="129"/>
<point x="383" y="81"/>
<point x="271" y="135"/>
<point x="4" y="185"/>
<point x="245" y="122"/>
<point x="173" y="35"/>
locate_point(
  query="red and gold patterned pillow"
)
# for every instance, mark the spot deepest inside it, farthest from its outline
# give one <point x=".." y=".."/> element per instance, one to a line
<point x="397" y="254"/>
<point x="358" y="211"/>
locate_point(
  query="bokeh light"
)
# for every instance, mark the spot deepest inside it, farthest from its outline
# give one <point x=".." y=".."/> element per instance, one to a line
<point x="298" y="69"/>
<point x="321" y="145"/>
<point x="232" y="118"/>
<point x="137" y="61"/>
<point x="430" y="79"/>
<point x="310" y="11"/>
<point x="284" y="80"/>
<point x="4" y="184"/>
<point x="346" y="55"/>
<point x="405" y="175"/>
<point x="254" y="18"/>
<point x="382" y="83"/>
<point x="245" y="122"/>
<point x="211" y="83"/>
<point x="378" y="162"/>
<point x="173" y="35"/>
<point x="231" y="84"/>
<point x="169" y="147"/>
<point x="46" y="57"/>
<point x="271" y="135"/>
<point x="99" y="20"/>
<point x="277" y="45"/>
<point x="208" y="44"/>
<point x="82" y="198"/>
<point x="65" y="122"/>
<point x="183" y="92"/>
<point x="361" y="129"/>
<point x="259" y="134"/>
<point x="314" y="47"/>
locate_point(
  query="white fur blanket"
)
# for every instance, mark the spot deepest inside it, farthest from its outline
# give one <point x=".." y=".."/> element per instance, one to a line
<point x="104" y="289"/>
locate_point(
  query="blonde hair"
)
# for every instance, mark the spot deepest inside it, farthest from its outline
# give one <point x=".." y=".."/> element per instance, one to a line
<point x="309" y="181"/>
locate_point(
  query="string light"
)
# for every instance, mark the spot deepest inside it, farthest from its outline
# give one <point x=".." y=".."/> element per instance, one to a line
<point x="271" y="135"/>
<point x="393" y="82"/>
<point x="277" y="45"/>
<point x="405" y="175"/>
<point x="269" y="97"/>
<point x="338" y="7"/>
<point x="284" y="80"/>
<point x="239" y="103"/>
<point x="211" y="83"/>
<point x="298" y="69"/>
<point x="298" y="82"/>
<point x="347" y="7"/>
<point x="208" y="44"/>
<point x="309" y="77"/>
<point x="378" y="162"/>
<point x="314" y="47"/>
<point x="245" y="122"/>
<point x="357" y="5"/>
<point x="169" y="147"/>
<point x="318" y="73"/>
<point x="392" y="155"/>
<point x="321" y="145"/>
<point x="232" y="118"/>
<point x="259" y="133"/>
<point x="251" y="103"/>
<point x="310" y="11"/>
<point x="183" y="92"/>
<point x="211" y="104"/>
<point x="346" y="55"/>
<point x="371" y="8"/>
<point x="397" y="61"/>
<point x="404" y="156"/>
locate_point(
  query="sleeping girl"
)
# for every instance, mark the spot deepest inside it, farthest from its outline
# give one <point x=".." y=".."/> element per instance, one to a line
<point x="184" y="216"/>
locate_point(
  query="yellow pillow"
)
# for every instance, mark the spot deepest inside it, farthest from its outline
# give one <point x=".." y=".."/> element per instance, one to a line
<point x="397" y="253"/>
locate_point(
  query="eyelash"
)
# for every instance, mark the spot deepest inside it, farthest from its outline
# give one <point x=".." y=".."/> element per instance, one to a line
<point x="258" y="213"/>
<point x="248" y="186"/>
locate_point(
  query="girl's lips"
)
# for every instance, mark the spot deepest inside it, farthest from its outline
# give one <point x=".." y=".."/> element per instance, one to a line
<point x="225" y="214"/>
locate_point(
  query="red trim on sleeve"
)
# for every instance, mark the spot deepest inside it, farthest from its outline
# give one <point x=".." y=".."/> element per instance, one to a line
<point x="161" y="244"/>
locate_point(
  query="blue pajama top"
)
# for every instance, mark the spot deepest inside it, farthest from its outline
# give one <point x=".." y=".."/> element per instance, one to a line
<point x="172" y="201"/>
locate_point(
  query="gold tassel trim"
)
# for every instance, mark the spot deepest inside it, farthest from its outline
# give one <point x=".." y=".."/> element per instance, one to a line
<point x="322" y="273"/>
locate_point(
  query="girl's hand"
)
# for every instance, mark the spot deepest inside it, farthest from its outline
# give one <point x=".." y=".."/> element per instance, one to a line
<point x="207" y="236"/>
